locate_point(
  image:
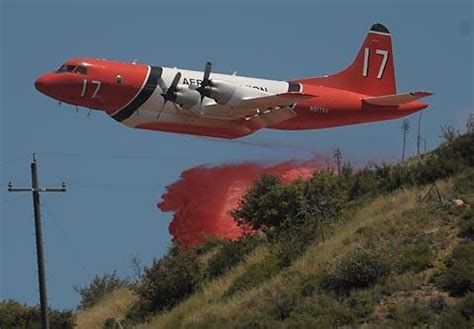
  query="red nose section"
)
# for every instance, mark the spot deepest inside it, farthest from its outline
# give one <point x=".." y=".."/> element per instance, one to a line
<point x="44" y="84"/>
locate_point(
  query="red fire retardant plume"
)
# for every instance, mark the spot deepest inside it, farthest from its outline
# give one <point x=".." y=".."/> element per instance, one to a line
<point x="202" y="197"/>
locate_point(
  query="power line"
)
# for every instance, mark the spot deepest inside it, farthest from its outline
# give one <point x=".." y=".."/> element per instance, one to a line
<point x="108" y="186"/>
<point x="14" y="199"/>
<point x="113" y="156"/>
<point x="64" y="235"/>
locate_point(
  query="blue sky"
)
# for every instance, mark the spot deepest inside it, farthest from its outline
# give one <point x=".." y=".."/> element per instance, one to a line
<point x="116" y="174"/>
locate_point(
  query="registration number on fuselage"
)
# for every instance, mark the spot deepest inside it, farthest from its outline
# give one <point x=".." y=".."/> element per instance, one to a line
<point x="319" y="109"/>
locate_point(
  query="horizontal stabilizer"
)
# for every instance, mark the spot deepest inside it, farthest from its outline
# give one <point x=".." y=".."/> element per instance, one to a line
<point x="394" y="100"/>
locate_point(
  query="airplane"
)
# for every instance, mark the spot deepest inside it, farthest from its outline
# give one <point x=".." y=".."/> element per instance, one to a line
<point x="231" y="106"/>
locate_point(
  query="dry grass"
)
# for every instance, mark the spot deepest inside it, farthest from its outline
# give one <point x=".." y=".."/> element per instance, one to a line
<point x="113" y="305"/>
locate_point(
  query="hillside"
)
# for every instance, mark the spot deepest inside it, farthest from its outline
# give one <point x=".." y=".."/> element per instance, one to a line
<point x="365" y="248"/>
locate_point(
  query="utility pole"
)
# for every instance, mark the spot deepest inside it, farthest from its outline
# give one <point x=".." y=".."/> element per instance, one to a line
<point x="418" y="138"/>
<point x="36" y="190"/>
<point x="405" y="128"/>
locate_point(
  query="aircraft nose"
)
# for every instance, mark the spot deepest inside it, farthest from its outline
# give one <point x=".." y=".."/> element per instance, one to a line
<point x="43" y="84"/>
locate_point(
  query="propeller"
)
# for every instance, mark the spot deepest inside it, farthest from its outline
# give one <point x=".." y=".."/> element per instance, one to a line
<point x="169" y="94"/>
<point x="206" y="82"/>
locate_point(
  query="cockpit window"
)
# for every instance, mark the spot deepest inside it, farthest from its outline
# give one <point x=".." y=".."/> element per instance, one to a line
<point x="81" y="69"/>
<point x="66" y="68"/>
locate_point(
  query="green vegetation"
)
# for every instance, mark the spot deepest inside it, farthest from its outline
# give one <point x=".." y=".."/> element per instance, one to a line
<point x="255" y="275"/>
<point x="359" y="268"/>
<point x="231" y="254"/>
<point x="415" y="257"/>
<point x="459" y="275"/>
<point x="461" y="316"/>
<point x="98" y="288"/>
<point x="352" y="249"/>
<point x="18" y="316"/>
<point x="167" y="282"/>
<point x="466" y="229"/>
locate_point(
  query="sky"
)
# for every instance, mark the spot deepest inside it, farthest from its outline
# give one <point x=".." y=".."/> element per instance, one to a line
<point x="116" y="175"/>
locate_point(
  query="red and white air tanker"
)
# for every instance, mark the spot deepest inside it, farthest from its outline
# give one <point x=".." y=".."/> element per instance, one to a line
<point x="232" y="106"/>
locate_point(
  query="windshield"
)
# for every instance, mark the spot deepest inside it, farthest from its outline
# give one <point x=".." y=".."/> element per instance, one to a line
<point x="81" y="69"/>
<point x="66" y="68"/>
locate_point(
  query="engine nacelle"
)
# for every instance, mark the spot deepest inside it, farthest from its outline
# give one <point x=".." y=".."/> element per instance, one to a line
<point x="186" y="97"/>
<point x="221" y="91"/>
<point x="226" y="93"/>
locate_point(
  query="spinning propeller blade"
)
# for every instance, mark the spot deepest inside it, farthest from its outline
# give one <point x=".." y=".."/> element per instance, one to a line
<point x="169" y="94"/>
<point x="206" y="82"/>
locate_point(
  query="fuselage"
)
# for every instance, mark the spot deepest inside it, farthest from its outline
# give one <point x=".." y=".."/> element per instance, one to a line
<point x="131" y="94"/>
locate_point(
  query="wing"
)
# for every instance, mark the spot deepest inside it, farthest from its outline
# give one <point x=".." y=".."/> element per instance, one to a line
<point x="260" y="111"/>
<point x="278" y="100"/>
<point x="261" y="119"/>
<point x="264" y="111"/>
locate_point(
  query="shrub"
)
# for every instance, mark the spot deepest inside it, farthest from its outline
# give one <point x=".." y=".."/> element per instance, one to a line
<point x="166" y="283"/>
<point x="271" y="204"/>
<point x="362" y="182"/>
<point x="402" y="282"/>
<point x="230" y="254"/>
<point x="360" y="268"/>
<point x="310" y="285"/>
<point x="266" y="204"/>
<point x="415" y="258"/>
<point x="291" y="243"/>
<point x="409" y="316"/>
<point x="438" y="304"/>
<point x="464" y="183"/>
<point x="361" y="302"/>
<point x="255" y="275"/>
<point x="98" y="288"/>
<point x="324" y="196"/>
<point x="18" y="316"/>
<point x="282" y="304"/>
<point x="461" y="316"/>
<point x="319" y="311"/>
<point x="459" y="276"/>
<point x="466" y="229"/>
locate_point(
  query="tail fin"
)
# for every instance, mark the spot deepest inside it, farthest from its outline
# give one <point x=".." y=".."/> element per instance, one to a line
<point x="372" y="72"/>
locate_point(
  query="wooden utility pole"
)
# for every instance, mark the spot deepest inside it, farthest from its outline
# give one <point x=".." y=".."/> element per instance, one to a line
<point x="36" y="190"/>
<point x="405" y="128"/>
<point x="418" y="138"/>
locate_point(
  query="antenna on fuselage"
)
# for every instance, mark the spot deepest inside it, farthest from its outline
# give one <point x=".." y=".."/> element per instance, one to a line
<point x="135" y="61"/>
